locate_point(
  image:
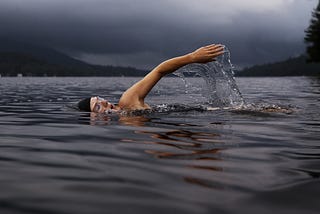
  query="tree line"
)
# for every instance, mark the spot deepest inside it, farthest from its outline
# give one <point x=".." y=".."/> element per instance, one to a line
<point x="304" y="65"/>
<point x="13" y="64"/>
<point x="312" y="37"/>
<point x="292" y="67"/>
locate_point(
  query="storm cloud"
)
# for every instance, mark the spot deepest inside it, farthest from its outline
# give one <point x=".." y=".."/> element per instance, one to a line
<point x="142" y="33"/>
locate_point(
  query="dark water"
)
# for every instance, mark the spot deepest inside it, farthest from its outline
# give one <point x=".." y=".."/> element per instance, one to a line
<point x="264" y="158"/>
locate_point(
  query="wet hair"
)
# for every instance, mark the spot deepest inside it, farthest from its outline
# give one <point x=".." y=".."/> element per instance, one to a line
<point x="84" y="104"/>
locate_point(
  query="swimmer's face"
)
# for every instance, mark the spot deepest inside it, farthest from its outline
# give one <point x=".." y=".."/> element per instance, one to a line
<point x="100" y="105"/>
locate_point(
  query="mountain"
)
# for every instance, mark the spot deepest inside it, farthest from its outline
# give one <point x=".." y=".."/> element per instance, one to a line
<point x="42" y="53"/>
<point x="32" y="60"/>
<point x="291" y="67"/>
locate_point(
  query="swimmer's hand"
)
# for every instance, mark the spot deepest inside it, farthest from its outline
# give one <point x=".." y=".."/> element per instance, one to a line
<point x="207" y="53"/>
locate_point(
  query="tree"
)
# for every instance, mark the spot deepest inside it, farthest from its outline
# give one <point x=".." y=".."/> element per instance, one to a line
<point x="312" y="37"/>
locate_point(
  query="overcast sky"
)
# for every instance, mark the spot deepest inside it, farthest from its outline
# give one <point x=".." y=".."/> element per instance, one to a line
<point x="142" y="33"/>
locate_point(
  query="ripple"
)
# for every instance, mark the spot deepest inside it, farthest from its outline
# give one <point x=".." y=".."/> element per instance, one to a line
<point x="182" y="157"/>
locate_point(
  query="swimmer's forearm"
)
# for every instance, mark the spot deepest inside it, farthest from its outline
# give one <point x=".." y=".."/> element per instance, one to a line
<point x="201" y="55"/>
<point x="173" y="64"/>
<point x="137" y="92"/>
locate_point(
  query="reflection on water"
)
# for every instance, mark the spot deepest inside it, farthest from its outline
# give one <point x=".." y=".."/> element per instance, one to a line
<point x="182" y="158"/>
<point x="173" y="144"/>
<point x="189" y="143"/>
<point x="186" y="145"/>
<point x="134" y="120"/>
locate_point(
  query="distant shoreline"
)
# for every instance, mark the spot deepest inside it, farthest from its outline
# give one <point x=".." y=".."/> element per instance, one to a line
<point x="297" y="66"/>
<point x="13" y="64"/>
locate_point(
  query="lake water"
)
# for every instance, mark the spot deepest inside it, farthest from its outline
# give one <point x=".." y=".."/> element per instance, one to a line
<point x="180" y="158"/>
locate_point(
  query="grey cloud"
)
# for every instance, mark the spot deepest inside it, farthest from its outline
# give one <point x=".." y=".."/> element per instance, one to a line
<point x="162" y="28"/>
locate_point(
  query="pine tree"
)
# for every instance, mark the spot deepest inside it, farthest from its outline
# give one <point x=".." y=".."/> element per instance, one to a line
<point x="312" y="37"/>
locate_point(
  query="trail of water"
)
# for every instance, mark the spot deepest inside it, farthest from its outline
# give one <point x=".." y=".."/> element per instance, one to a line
<point x="220" y="91"/>
<point x="220" y="87"/>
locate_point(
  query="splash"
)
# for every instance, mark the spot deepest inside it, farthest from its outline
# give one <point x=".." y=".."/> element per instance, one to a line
<point x="220" y="87"/>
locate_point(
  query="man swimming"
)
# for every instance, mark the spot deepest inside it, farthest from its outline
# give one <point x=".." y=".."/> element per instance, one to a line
<point x="133" y="98"/>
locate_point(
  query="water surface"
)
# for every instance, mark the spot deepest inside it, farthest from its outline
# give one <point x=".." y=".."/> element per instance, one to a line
<point x="181" y="158"/>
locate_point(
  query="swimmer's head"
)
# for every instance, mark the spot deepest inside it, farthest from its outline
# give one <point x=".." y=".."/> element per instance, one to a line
<point x="84" y="104"/>
<point x="95" y="104"/>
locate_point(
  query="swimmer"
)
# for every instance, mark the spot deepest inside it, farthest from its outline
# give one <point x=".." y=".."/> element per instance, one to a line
<point x="133" y="98"/>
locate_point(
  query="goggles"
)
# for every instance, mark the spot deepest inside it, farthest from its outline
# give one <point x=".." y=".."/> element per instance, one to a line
<point x="103" y="104"/>
<point x="98" y="105"/>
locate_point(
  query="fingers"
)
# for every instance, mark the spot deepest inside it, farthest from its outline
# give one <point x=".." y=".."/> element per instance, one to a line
<point x="215" y="54"/>
<point x="214" y="50"/>
<point x="214" y="46"/>
<point x="208" y="53"/>
<point x="210" y="46"/>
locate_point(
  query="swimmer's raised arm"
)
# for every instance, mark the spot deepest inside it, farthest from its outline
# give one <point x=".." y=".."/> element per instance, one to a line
<point x="133" y="98"/>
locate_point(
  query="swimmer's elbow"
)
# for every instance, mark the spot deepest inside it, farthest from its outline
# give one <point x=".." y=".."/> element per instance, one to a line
<point x="163" y="69"/>
<point x="160" y="73"/>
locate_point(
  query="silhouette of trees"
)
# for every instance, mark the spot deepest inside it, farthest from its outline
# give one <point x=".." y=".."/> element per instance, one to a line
<point x="291" y="67"/>
<point x="12" y="64"/>
<point x="312" y="37"/>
